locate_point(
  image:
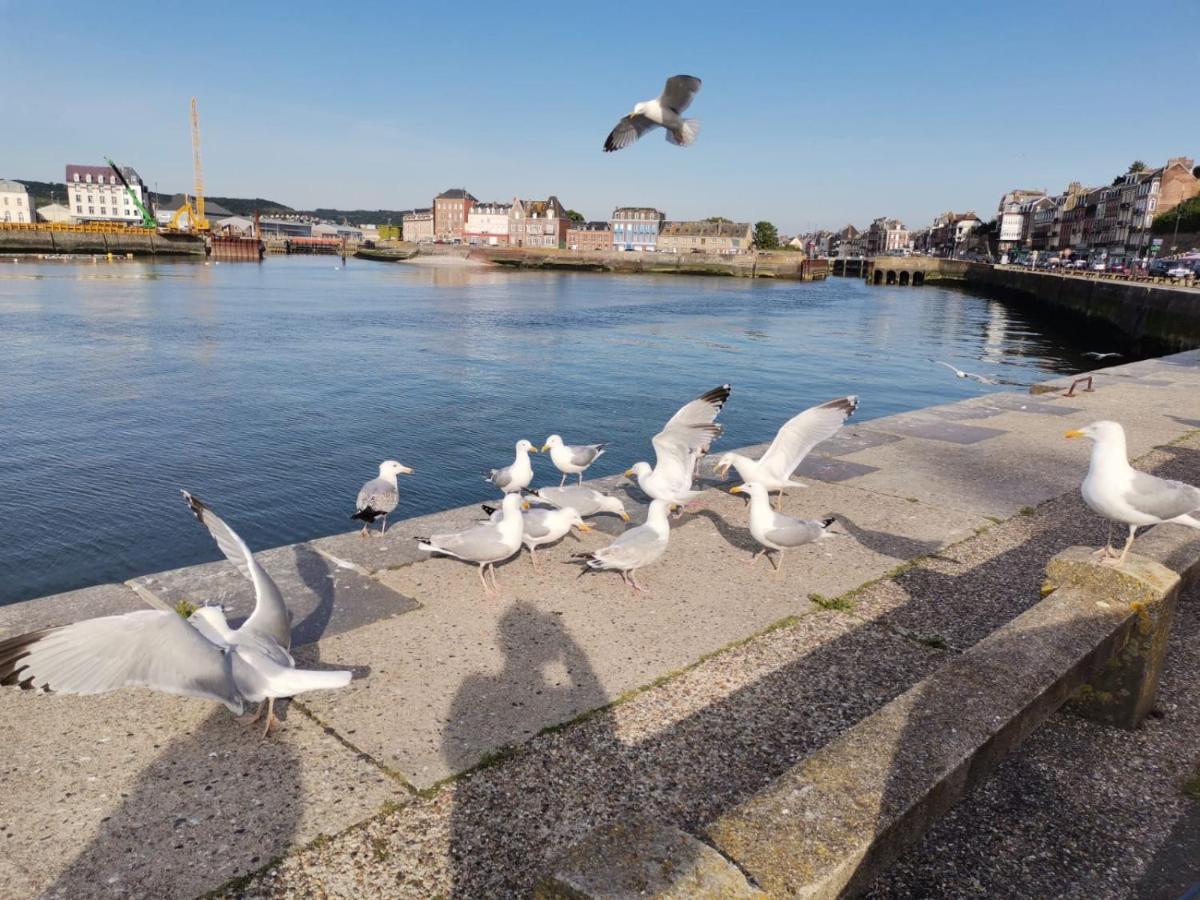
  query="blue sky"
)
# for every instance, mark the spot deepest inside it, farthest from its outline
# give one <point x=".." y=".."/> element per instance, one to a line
<point x="813" y="115"/>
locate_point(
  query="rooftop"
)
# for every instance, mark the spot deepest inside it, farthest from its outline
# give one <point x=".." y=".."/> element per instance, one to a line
<point x="706" y="229"/>
<point x="101" y="174"/>
<point x="455" y="194"/>
<point x="12" y="186"/>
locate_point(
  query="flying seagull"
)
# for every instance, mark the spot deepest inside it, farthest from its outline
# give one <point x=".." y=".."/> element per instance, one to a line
<point x="794" y="441"/>
<point x="959" y="373"/>
<point x="634" y="548"/>
<point x="678" y="447"/>
<point x="775" y="531"/>
<point x="158" y="649"/>
<point x="666" y="111"/>
<point x="485" y="544"/>
<point x="541" y="526"/>
<point x="1096" y="354"/>
<point x="1121" y="493"/>
<point x="514" y="478"/>
<point x="379" y="496"/>
<point x="572" y="460"/>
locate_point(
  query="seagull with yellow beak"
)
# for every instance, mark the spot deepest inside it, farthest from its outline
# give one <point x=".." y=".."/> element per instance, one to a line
<point x="1120" y="493"/>
<point x="775" y="531"/>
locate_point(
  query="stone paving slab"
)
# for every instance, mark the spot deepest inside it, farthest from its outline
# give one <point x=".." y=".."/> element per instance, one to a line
<point x="558" y="645"/>
<point x="851" y="439"/>
<point x="932" y="429"/>
<point x="324" y="597"/>
<point x="62" y="609"/>
<point x="135" y="794"/>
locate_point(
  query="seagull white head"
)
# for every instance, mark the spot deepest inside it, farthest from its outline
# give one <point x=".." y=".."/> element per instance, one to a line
<point x="638" y="470"/>
<point x="1100" y="431"/>
<point x="613" y="505"/>
<point x="553" y="441"/>
<point x="638" y="109"/>
<point x="391" y="467"/>
<point x="523" y="446"/>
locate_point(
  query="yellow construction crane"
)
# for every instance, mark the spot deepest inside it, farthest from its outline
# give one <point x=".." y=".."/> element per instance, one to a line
<point x="194" y="213"/>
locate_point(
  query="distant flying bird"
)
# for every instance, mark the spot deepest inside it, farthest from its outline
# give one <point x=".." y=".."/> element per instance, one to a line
<point x="1094" y="354"/>
<point x="572" y="459"/>
<point x="1121" y="493"/>
<point x="666" y="111"/>
<point x="200" y="656"/>
<point x="959" y="373"/>
<point x="792" y="444"/>
<point x="379" y="496"/>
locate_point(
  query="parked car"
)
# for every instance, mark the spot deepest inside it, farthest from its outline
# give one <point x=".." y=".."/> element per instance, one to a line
<point x="1180" y="271"/>
<point x="1097" y="267"/>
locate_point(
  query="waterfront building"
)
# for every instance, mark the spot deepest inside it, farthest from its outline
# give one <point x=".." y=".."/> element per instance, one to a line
<point x="14" y="202"/>
<point x="349" y="233"/>
<point x="886" y="236"/>
<point x="706" y="237"/>
<point x="55" y="213"/>
<point x="95" y="194"/>
<point x="538" y="223"/>
<point x="233" y="226"/>
<point x="848" y="242"/>
<point x="1013" y="217"/>
<point x="417" y="226"/>
<point x="636" y="228"/>
<point x="270" y="226"/>
<point x="589" y="236"/>
<point x="488" y="224"/>
<point x="450" y="210"/>
<point x="166" y="207"/>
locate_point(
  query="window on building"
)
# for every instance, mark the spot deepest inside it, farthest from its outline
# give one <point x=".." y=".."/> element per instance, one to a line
<point x="91" y="210"/>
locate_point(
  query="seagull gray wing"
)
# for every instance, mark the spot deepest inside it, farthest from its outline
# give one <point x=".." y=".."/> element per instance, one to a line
<point x="583" y="500"/>
<point x="379" y="495"/>
<point x="678" y="93"/>
<point x="535" y="523"/>
<point x="586" y="454"/>
<point x="626" y="132"/>
<point x="703" y="410"/>
<point x="794" y="532"/>
<point x="271" y="615"/>
<point x="149" y="648"/>
<point x="482" y="543"/>
<point x="501" y="478"/>
<point x="1162" y="498"/>
<point x="633" y="549"/>
<point x="801" y="433"/>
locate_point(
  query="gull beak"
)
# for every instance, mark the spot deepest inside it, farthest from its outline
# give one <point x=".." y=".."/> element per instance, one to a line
<point x="1073" y="434"/>
<point x="625" y="516"/>
<point x="584" y="527"/>
<point x="737" y="489"/>
<point x="723" y="471"/>
<point x="525" y="504"/>
<point x="405" y="470"/>
<point x="545" y="447"/>
<point x="629" y="473"/>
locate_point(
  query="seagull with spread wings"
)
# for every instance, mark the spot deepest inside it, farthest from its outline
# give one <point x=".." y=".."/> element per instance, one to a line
<point x="678" y="447"/>
<point x="200" y="656"/>
<point x="664" y="112"/>
<point x="792" y="443"/>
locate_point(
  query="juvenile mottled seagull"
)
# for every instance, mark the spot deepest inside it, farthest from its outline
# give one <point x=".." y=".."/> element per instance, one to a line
<point x="584" y="500"/>
<point x="774" y="530"/>
<point x="514" y="478"/>
<point x="1121" y="493"/>
<point x="635" y="548"/>
<point x="541" y="526"/>
<point x="792" y="443"/>
<point x="485" y="544"/>
<point x="200" y="656"/>
<point x="678" y="447"/>
<point x="379" y="496"/>
<point x="666" y="111"/>
<point x="959" y="373"/>
<point x="572" y="460"/>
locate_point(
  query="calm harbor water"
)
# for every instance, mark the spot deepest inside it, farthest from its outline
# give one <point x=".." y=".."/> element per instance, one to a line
<point x="274" y="390"/>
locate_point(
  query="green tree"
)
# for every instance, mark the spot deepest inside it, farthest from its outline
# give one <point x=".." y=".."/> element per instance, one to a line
<point x="1137" y="166"/>
<point x="718" y="220"/>
<point x="766" y="236"/>
<point x="574" y="215"/>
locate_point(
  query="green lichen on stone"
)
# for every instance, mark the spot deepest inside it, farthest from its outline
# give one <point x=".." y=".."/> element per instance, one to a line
<point x="938" y="643"/>
<point x="842" y="604"/>
<point x="1027" y="510"/>
<point x="1191" y="787"/>
<point x="379" y="849"/>
<point x="185" y="608"/>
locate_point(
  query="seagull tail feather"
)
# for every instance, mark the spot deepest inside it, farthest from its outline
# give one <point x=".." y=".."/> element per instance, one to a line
<point x="687" y="134"/>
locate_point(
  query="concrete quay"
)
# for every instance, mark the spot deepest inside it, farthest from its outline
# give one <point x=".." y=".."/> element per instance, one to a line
<point x="481" y="740"/>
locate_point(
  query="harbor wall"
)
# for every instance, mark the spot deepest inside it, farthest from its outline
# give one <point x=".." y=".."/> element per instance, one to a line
<point x="137" y="242"/>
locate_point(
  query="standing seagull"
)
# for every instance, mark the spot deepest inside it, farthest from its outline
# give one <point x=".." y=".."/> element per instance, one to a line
<point x="678" y="447"/>
<point x="379" y="496"/>
<point x="793" y="442"/>
<point x="775" y="531"/>
<point x="666" y="111"/>
<point x="485" y="544"/>
<point x="1122" y="494"/>
<point x="541" y="526"/>
<point x="572" y="460"/>
<point x="584" y="500"/>
<point x="513" y="479"/>
<point x="634" y="548"/>
<point x="158" y="649"/>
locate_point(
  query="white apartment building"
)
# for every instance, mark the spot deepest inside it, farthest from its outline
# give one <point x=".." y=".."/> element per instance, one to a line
<point x="95" y="194"/>
<point x="14" y="203"/>
<point x="488" y="224"/>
